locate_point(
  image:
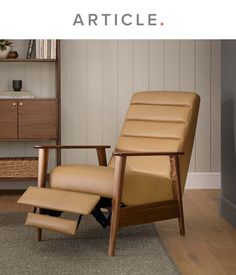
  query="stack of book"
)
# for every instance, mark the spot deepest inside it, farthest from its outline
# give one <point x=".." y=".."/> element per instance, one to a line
<point x="16" y="95"/>
<point x="42" y="49"/>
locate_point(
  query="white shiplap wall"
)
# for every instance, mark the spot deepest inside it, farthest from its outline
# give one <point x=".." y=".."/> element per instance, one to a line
<point x="98" y="79"/>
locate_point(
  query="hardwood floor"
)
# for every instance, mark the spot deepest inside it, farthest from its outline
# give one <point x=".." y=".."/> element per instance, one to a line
<point x="209" y="246"/>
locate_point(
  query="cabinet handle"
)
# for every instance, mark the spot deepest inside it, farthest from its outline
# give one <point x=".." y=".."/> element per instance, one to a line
<point x="21" y="104"/>
<point x="14" y="104"/>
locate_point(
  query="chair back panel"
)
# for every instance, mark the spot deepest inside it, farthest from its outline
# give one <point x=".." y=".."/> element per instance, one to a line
<point x="154" y="129"/>
<point x="139" y="144"/>
<point x="158" y="112"/>
<point x="160" y="121"/>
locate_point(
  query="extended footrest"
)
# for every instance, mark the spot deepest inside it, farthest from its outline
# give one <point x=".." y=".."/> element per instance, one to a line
<point x="54" y="199"/>
<point x="51" y="223"/>
<point x="60" y="200"/>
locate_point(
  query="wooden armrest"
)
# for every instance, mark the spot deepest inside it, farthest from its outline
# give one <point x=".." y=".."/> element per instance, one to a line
<point x="71" y="146"/>
<point x="136" y="154"/>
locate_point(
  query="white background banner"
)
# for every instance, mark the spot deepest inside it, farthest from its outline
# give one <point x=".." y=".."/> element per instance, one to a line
<point x="123" y="19"/>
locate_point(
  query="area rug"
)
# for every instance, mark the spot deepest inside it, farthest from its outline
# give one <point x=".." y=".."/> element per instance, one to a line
<point x="138" y="250"/>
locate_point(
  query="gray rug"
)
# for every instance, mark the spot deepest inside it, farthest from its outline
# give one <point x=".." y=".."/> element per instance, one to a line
<point x="138" y="250"/>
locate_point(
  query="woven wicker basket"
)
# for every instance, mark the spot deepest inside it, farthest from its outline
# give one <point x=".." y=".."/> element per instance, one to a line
<point x="18" y="167"/>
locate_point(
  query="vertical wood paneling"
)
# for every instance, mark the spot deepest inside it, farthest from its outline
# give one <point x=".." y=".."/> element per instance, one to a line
<point x="140" y="66"/>
<point x="187" y="65"/>
<point x="4" y="149"/>
<point x="75" y="98"/>
<point x="20" y="46"/>
<point x="16" y="71"/>
<point x="156" y="65"/>
<point x="45" y="80"/>
<point x="4" y="77"/>
<point x="33" y="78"/>
<point x="188" y="78"/>
<point x="172" y="65"/>
<point x="215" y="107"/>
<point x="94" y="96"/>
<point x="79" y="97"/>
<point x="98" y="79"/>
<point x="66" y="106"/>
<point x="125" y="78"/>
<point x="203" y="86"/>
<point x="109" y="94"/>
<point x="29" y="149"/>
<point x="52" y="80"/>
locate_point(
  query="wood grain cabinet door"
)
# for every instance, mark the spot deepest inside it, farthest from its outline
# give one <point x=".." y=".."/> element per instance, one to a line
<point x="37" y="119"/>
<point x="8" y="119"/>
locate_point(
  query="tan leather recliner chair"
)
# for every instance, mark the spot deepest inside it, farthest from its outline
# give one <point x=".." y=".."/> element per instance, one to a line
<point x="145" y="177"/>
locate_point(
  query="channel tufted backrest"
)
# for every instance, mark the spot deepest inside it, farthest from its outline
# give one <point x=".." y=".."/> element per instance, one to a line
<point x="159" y="121"/>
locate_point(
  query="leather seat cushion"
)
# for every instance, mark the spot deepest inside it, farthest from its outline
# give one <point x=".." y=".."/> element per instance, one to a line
<point x="156" y="165"/>
<point x="139" y="188"/>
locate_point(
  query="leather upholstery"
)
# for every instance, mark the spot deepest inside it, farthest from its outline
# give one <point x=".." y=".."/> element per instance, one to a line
<point x="155" y="121"/>
<point x="59" y="200"/>
<point x="177" y="110"/>
<point x="51" y="223"/>
<point x="139" y="187"/>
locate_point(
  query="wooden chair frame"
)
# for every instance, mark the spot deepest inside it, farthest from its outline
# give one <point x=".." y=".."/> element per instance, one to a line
<point x="129" y="215"/>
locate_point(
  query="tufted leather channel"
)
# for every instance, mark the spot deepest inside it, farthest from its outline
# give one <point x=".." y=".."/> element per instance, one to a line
<point x="155" y="121"/>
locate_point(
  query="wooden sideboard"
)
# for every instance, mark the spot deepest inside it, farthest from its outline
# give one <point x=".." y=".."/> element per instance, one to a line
<point x="28" y="119"/>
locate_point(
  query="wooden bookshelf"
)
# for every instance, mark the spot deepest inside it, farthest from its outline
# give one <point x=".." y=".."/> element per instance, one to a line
<point x="30" y="114"/>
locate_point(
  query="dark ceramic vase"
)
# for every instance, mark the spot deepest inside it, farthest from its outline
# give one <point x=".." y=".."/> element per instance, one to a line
<point x="17" y="85"/>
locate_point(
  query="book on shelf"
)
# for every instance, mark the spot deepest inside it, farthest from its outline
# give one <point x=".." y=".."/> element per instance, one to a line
<point x="53" y="48"/>
<point x="41" y="48"/>
<point x="30" y="50"/>
<point x="37" y="49"/>
<point x="23" y="94"/>
<point x="46" y="49"/>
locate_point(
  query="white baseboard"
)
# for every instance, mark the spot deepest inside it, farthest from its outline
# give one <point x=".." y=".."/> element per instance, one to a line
<point x="203" y="181"/>
<point x="194" y="181"/>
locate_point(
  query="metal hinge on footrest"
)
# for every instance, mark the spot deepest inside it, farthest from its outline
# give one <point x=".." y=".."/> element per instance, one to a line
<point x="51" y="223"/>
<point x="61" y="200"/>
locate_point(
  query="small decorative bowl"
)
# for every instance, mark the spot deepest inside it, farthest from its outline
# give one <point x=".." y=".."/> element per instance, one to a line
<point x="12" y="55"/>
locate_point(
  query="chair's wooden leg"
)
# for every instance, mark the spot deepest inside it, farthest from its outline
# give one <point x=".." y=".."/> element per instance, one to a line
<point x="42" y="176"/>
<point x="113" y="232"/>
<point x="181" y="226"/>
<point x="180" y="201"/>
<point x="120" y="162"/>
<point x="177" y="189"/>
<point x="39" y="234"/>
<point x="181" y="218"/>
